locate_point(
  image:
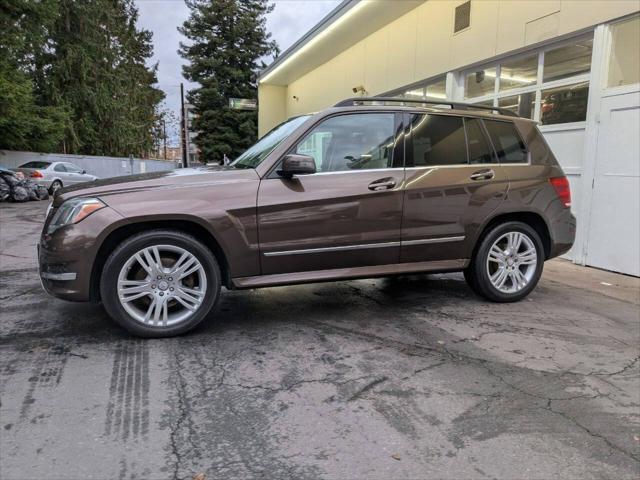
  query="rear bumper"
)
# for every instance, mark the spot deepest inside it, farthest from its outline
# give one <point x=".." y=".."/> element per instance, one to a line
<point x="563" y="233"/>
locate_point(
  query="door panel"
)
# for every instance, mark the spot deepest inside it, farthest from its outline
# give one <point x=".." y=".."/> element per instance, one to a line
<point x="331" y="212"/>
<point x="446" y="198"/>
<point x="444" y="206"/>
<point x="614" y="226"/>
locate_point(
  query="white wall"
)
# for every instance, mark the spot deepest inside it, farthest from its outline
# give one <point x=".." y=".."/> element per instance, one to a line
<point x="102" y="167"/>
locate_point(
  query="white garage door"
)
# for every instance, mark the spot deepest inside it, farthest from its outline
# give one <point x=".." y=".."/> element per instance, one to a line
<point x="614" y="227"/>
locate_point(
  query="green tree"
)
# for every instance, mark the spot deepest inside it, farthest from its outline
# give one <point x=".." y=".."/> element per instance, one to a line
<point x="97" y="71"/>
<point x="227" y="42"/>
<point x="24" y="123"/>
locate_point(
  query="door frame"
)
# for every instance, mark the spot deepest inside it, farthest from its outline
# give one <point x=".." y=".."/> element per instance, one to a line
<point x="602" y="41"/>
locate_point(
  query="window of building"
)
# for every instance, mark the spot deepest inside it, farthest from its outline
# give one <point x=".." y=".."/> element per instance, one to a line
<point x="479" y="82"/>
<point x="438" y="140"/>
<point x="508" y="144"/>
<point x="479" y="148"/>
<point x="564" y="104"/>
<point x="351" y="142"/>
<point x="524" y="104"/>
<point x="518" y="73"/>
<point x="430" y="90"/>
<point x="568" y="60"/>
<point x="624" y="61"/>
<point x="550" y="85"/>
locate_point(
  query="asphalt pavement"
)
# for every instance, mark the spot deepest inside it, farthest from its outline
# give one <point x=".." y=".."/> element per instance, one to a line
<point x="410" y="377"/>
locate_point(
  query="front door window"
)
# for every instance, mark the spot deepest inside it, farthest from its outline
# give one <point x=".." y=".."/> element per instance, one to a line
<point x="363" y="141"/>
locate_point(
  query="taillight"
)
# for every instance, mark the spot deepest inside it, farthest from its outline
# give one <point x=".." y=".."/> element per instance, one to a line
<point x="561" y="186"/>
<point x="36" y="174"/>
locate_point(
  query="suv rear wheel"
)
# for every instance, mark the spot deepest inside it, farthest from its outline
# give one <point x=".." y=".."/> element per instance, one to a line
<point x="508" y="263"/>
<point x="160" y="283"/>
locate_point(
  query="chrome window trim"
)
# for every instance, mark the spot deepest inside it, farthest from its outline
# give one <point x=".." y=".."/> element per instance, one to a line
<point x="345" y="248"/>
<point x="364" y="170"/>
<point x="476" y="165"/>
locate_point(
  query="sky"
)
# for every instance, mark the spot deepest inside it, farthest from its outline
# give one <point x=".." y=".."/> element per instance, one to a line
<point x="289" y="20"/>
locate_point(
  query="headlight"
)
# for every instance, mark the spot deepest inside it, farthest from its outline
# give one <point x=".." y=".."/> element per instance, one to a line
<point x="73" y="211"/>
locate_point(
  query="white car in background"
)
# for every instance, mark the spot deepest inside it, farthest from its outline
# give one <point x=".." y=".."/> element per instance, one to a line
<point x="55" y="175"/>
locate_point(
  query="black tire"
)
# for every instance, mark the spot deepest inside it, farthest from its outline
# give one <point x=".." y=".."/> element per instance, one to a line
<point x="115" y="262"/>
<point x="55" y="186"/>
<point x="477" y="275"/>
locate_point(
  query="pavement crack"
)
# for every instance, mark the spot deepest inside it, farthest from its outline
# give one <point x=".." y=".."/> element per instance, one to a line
<point x="618" y="372"/>
<point x="366" y="388"/>
<point x="24" y="292"/>
<point x="591" y="433"/>
<point x="183" y="418"/>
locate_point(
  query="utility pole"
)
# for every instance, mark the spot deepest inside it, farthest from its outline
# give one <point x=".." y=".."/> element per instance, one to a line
<point x="184" y="130"/>
<point x="164" y="137"/>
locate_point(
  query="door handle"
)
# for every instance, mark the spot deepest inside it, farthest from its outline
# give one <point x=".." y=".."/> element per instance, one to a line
<point x="486" y="174"/>
<point x="382" y="184"/>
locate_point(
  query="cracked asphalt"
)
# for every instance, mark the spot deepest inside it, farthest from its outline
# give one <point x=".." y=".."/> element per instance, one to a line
<point x="411" y="377"/>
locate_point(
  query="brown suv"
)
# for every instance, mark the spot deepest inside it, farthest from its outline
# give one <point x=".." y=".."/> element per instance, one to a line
<point x="370" y="187"/>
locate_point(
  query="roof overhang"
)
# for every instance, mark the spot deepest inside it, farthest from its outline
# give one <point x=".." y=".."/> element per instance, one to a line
<point x="347" y="24"/>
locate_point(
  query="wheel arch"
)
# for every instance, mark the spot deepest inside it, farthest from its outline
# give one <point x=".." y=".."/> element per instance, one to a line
<point x="533" y="219"/>
<point x="122" y="232"/>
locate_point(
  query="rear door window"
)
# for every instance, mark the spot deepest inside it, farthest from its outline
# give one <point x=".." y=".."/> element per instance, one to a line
<point x="508" y="144"/>
<point x="60" y="168"/>
<point x="437" y="140"/>
<point x="480" y="150"/>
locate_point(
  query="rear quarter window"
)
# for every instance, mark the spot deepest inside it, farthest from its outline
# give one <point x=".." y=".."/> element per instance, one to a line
<point x="507" y="141"/>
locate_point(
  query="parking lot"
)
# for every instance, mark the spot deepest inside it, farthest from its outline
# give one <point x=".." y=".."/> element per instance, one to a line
<point x="411" y="377"/>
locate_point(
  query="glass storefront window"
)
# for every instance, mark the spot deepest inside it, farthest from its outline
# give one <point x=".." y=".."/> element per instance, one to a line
<point x="430" y="91"/>
<point x="417" y="94"/>
<point x="568" y="60"/>
<point x="524" y="104"/>
<point x="564" y="104"/>
<point x="437" y="89"/>
<point x="479" y="83"/>
<point x="624" y="61"/>
<point x="518" y="73"/>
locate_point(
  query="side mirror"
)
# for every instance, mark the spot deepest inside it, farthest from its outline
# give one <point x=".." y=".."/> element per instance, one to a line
<point x="297" y="165"/>
<point x="84" y="171"/>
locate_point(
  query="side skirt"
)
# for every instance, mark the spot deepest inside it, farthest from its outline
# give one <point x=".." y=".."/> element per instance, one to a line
<point x="348" y="273"/>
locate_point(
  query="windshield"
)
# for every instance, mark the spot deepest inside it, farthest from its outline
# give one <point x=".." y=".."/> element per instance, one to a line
<point x="259" y="151"/>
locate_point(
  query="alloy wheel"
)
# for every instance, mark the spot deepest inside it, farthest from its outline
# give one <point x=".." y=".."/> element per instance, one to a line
<point x="162" y="285"/>
<point x="511" y="262"/>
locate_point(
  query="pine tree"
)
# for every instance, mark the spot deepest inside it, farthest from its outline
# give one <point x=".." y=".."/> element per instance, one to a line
<point x="24" y="123"/>
<point x="97" y="71"/>
<point x="227" y="42"/>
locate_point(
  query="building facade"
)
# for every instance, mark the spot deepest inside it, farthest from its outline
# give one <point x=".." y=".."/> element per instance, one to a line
<point x="573" y="66"/>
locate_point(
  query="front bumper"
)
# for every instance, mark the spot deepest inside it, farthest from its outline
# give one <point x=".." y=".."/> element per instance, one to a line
<point x="66" y="258"/>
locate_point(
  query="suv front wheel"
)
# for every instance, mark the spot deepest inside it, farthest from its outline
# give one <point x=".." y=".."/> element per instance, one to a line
<point x="160" y="283"/>
<point x="507" y="264"/>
